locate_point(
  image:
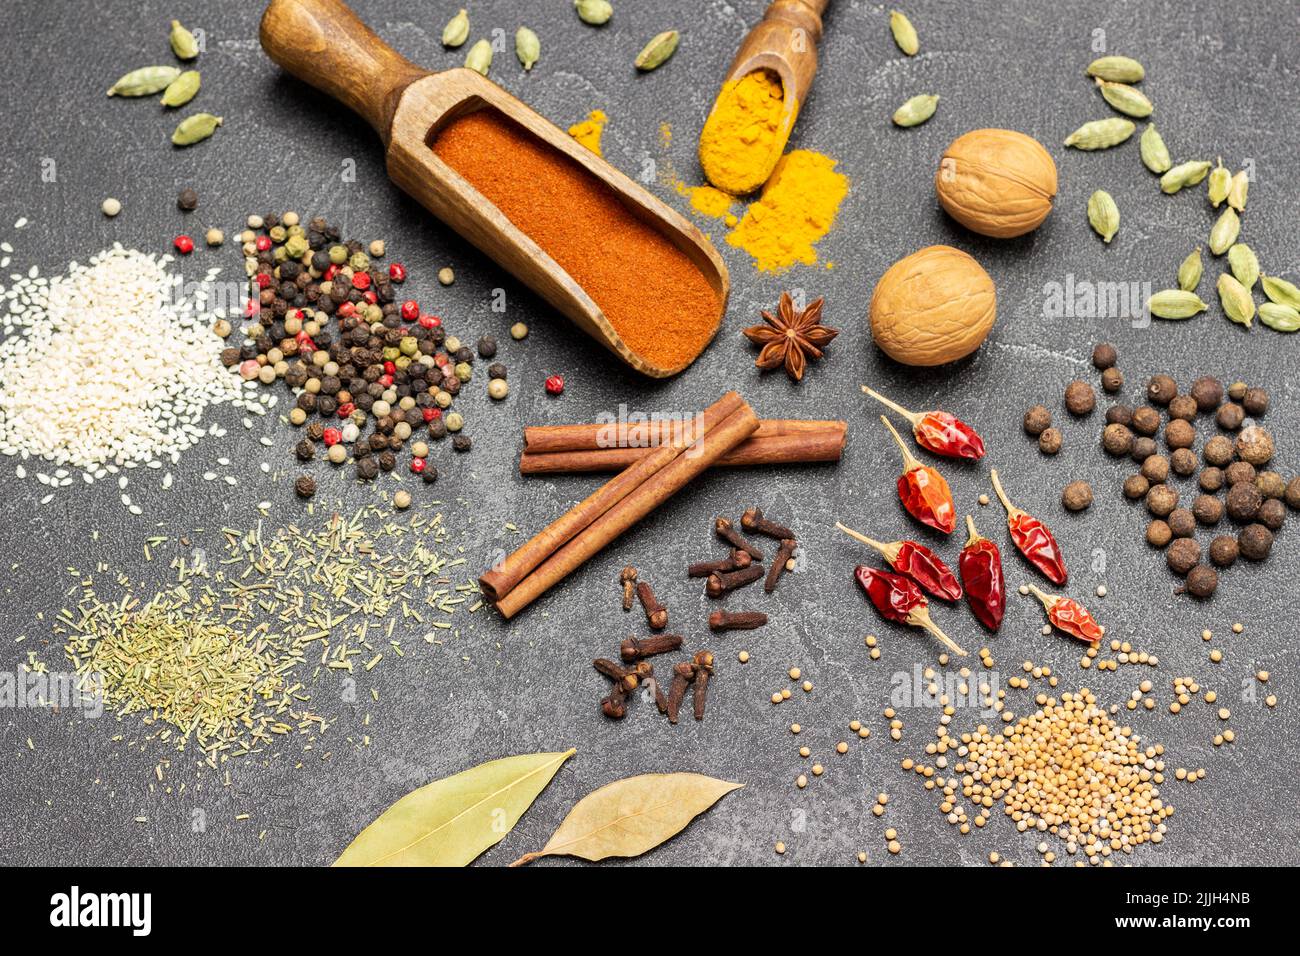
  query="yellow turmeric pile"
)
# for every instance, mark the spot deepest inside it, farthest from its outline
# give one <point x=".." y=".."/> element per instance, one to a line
<point x="587" y="133"/>
<point x="796" y="208"/>
<point x="745" y="133"/>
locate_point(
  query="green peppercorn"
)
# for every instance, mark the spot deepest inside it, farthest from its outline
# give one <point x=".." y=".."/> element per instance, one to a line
<point x="498" y="388"/>
<point x="455" y="422"/>
<point x="338" y="255"/>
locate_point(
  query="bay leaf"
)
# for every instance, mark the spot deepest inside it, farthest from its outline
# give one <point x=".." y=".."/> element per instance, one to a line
<point x="633" y="815"/>
<point x="451" y="821"/>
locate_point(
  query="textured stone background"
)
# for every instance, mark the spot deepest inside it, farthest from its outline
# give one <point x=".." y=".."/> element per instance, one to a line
<point x="1222" y="76"/>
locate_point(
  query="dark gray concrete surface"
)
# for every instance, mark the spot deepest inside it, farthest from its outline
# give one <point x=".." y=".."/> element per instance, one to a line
<point x="1224" y="79"/>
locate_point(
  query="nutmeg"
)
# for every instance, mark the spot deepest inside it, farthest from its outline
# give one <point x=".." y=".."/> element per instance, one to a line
<point x="932" y="307"/>
<point x="996" y="182"/>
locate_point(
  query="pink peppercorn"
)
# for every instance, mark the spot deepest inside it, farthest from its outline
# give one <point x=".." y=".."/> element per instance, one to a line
<point x="346" y="310"/>
<point x="248" y="369"/>
<point x="371" y="296"/>
<point x="361" y="280"/>
<point x="346" y="409"/>
<point x="385" y="380"/>
<point x="331" y="436"/>
<point x="330" y="272"/>
<point x="184" y="245"/>
<point x="397" y="272"/>
<point x="430" y="321"/>
<point x="263" y="243"/>
<point x="417" y="465"/>
<point x="555" y="384"/>
<point x="390" y="368"/>
<point x="263" y="280"/>
<point x="410" y="310"/>
<point x="429" y="414"/>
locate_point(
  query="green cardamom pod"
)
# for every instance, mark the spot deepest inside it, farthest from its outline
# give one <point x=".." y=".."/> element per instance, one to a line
<point x="183" y="43"/>
<point x="1244" y="264"/>
<point x="479" y="57"/>
<point x="1101" y="134"/>
<point x="1280" y="291"/>
<point x="1175" y="304"/>
<point x="527" y="47"/>
<point x="1184" y="175"/>
<point x="182" y="89"/>
<point x="1128" y="100"/>
<point x="1237" y="191"/>
<point x="1219" y="182"/>
<point x="195" y="129"/>
<point x="904" y="33"/>
<point x="658" y="51"/>
<point x="1236" y="300"/>
<point x="1191" y="270"/>
<point x="145" y="81"/>
<point x="456" y="31"/>
<point x="594" y="12"/>
<point x="1103" y="214"/>
<point x="1225" y="231"/>
<point x="916" y="110"/>
<point x="1117" y="69"/>
<point x="1279" y="318"/>
<point x="1155" y="155"/>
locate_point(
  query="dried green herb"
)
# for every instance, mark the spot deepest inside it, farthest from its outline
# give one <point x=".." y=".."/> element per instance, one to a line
<point x="145" y="81"/>
<point x="1155" y="155"/>
<point x="452" y="821"/>
<point x="1128" y="100"/>
<point x="1117" y="69"/>
<point x="658" y="51"/>
<point x="182" y="89"/>
<point x="904" y="33"/>
<point x="1184" y="175"/>
<point x="1101" y="134"/>
<point x="527" y="47"/>
<point x="195" y="129"/>
<point x="1103" y="215"/>
<point x="916" y="110"/>
<point x="1190" y="271"/>
<point x="1175" y="304"/>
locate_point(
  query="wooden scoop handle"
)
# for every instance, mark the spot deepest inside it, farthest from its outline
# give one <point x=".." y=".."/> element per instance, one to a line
<point x="323" y="43"/>
<point x="787" y="36"/>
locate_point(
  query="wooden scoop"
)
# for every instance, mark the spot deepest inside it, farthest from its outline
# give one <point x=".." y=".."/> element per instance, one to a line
<point x="323" y="43"/>
<point x="785" y="42"/>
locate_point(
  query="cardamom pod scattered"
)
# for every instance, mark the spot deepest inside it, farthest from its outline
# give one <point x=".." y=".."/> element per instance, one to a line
<point x="904" y="33"/>
<point x="1128" y="100"/>
<point x="184" y="45"/>
<point x="1237" y="191"/>
<point x="1155" y="155"/>
<point x="195" y="129"/>
<point x="479" y="57"/>
<point x="1219" y="182"/>
<point x="594" y="12"/>
<point x="1190" y="271"/>
<point x="916" y="110"/>
<point x="1184" y="175"/>
<point x="1103" y="215"/>
<point x="1237" y="302"/>
<point x="456" y="31"/>
<point x="1280" y="291"/>
<point x="1244" y="264"/>
<point x="1101" y="134"/>
<point x="1279" y="318"/>
<point x="145" y="81"/>
<point x="1175" y="304"/>
<point x="527" y="47"/>
<point x="658" y="51"/>
<point x="182" y="89"/>
<point x="1117" y="69"/>
<point x="1225" y="231"/>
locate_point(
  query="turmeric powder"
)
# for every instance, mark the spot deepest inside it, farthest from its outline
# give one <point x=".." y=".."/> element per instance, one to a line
<point x="587" y="133"/>
<point x="796" y="208"/>
<point x="745" y="134"/>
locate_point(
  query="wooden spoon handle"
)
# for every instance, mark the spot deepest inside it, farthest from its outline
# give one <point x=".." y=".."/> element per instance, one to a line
<point x="785" y="40"/>
<point x="322" y="42"/>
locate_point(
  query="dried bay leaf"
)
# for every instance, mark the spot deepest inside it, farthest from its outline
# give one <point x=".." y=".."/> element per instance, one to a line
<point x="451" y="821"/>
<point x="630" y="816"/>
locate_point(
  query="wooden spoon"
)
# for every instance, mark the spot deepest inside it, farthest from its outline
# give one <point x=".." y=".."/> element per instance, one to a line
<point x="322" y="42"/>
<point x="785" y="42"/>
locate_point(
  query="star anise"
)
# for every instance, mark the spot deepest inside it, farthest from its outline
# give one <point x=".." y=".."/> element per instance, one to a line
<point x="791" y="337"/>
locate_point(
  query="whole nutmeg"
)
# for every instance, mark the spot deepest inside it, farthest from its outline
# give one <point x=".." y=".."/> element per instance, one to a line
<point x="1146" y="420"/>
<point x="1270" y="484"/>
<point x="1180" y="434"/>
<point x="996" y="182"/>
<point x="1255" y="401"/>
<point x="1183" y="407"/>
<point x="1183" y="555"/>
<point x="932" y="307"/>
<point x="1049" y="442"/>
<point x="1230" y="416"/>
<point x="1119" y="415"/>
<point x="1244" y="500"/>
<point x="1255" y="445"/>
<point x="1255" y="542"/>
<point x="1077" y="496"/>
<point x="1161" y="389"/>
<point x="1207" y="392"/>
<point x="1162" y="500"/>
<point x="1271" y="514"/>
<point x="1202" y="581"/>
<point x="1104" y="356"/>
<point x="1037" y="419"/>
<point x="1238" y="472"/>
<point x="1143" y="448"/>
<point x="1181" y="523"/>
<point x="1207" y="509"/>
<point x="1224" y="550"/>
<point x="1117" y="439"/>
<point x="1158" y="534"/>
<point x="1080" y="399"/>
<point x="1211" y="479"/>
<point x="1156" y="468"/>
<point x="1112" y="380"/>
<point x="1293" y="492"/>
<point x="1218" y="451"/>
<point x="1136" y="486"/>
<point x="1183" y="462"/>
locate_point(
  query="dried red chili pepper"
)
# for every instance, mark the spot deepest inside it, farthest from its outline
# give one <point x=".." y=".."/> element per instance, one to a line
<point x="981" y="573"/>
<point x="1032" y="538"/>
<point x="940" y="432"/>
<point x="916" y="561"/>
<point x="898" y="599"/>
<point x="923" y="491"/>
<point x="1070" y="616"/>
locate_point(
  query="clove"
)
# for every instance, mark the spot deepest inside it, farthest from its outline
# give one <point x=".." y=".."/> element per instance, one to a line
<point x="783" y="555"/>
<point x="720" y="582"/>
<point x="683" y="676"/>
<point x="656" y="614"/>
<point x="737" y="561"/>
<point x="614" y="705"/>
<point x="727" y="532"/>
<point x="661" y="701"/>
<point x="736" y="620"/>
<point x="627" y="577"/>
<point x="753" y="520"/>
<point x="626" y="678"/>
<point x="635" y="648"/>
<point x="703" y="671"/>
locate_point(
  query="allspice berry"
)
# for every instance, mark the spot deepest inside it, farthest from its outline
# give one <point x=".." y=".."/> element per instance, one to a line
<point x="1244" y="500"/>
<point x="1049" y="442"/>
<point x="1136" y="486"/>
<point x="1270" y="484"/>
<point x="1255" y="542"/>
<point x="1208" y="510"/>
<point x="1207" y="392"/>
<point x="1143" y="448"/>
<point x="1104" y="356"/>
<point x="1183" y="462"/>
<point x="1158" y="534"/>
<point x="1112" y="380"/>
<point x="1211" y="479"/>
<point x="1255" y="401"/>
<point x="1223" y="551"/>
<point x="1117" y="439"/>
<point x="1202" y="581"/>
<point x="1180" y="434"/>
<point x="1237" y="391"/>
<point x="1218" y="451"/>
<point x="1156" y="468"/>
<point x="1271" y="514"/>
<point x="1230" y="416"/>
<point x="1119" y="415"/>
<point x="1077" y="496"/>
<point x="1292" y="495"/>
<point x="1238" y="472"/>
<point x="1183" y="407"/>
<point x="1161" y="500"/>
<point x="1161" y="389"/>
<point x="1146" y="420"/>
<point x="1037" y="420"/>
<point x="1255" y="445"/>
<point x="1181" y="523"/>
<point x="1183" y="555"/>
<point x="1080" y="398"/>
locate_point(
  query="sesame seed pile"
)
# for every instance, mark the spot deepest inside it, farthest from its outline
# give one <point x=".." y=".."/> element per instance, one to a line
<point x="111" y="365"/>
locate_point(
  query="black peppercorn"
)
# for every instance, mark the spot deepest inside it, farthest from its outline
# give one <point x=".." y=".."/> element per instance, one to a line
<point x="1119" y="415"/>
<point x="487" y="347"/>
<point x="461" y="443"/>
<point x="1255" y="401"/>
<point x="1080" y="398"/>
<point x="1136" y="486"/>
<point x="1037" y="420"/>
<point x="1271" y="514"/>
<point x="187" y="199"/>
<point x="1230" y="416"/>
<point x="315" y="431"/>
<point x="1183" y="407"/>
<point x="1211" y="479"/>
<point x="1183" y="462"/>
<point x="496" y="370"/>
<point x="1146" y="420"/>
<point x="230" y="357"/>
<point x="1158" y="534"/>
<point x="1183" y="555"/>
<point x="1143" y="448"/>
<point x="1112" y="380"/>
<point x="1207" y="509"/>
<point x="1244" y="500"/>
<point x="464" y="354"/>
<point x="1104" y="356"/>
<point x="1207" y="392"/>
<point x="1161" y="500"/>
<point x="1182" y="524"/>
<point x="1117" y="439"/>
<point x="1202" y="581"/>
<point x="326" y="405"/>
<point x="430" y="473"/>
<point x="437" y="429"/>
<point x="1255" y="542"/>
<point x="305" y="450"/>
<point x="305" y="486"/>
<point x="1161" y="389"/>
<point x="1223" y="550"/>
<point x="387" y="461"/>
<point x="367" y="468"/>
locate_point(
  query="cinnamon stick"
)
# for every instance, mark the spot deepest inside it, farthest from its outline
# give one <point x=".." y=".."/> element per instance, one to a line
<point x="681" y="470"/>
<point x="565" y="449"/>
